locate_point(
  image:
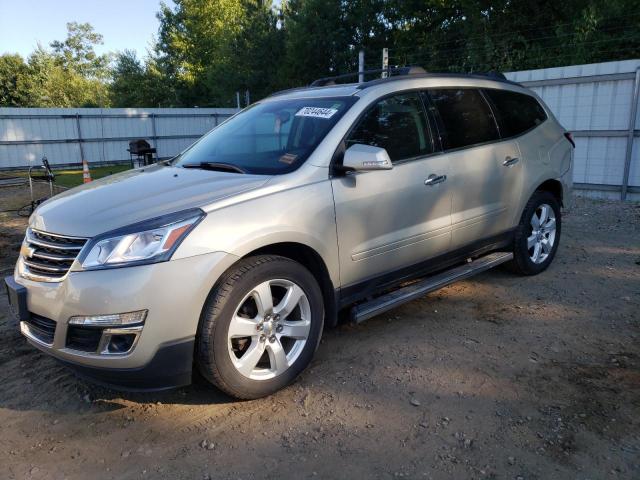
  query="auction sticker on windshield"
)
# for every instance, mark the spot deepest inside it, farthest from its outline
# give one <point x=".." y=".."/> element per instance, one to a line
<point x="317" y="112"/>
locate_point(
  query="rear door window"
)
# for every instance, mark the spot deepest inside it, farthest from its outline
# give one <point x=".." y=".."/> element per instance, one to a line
<point x="516" y="112"/>
<point x="466" y="118"/>
<point x="398" y="124"/>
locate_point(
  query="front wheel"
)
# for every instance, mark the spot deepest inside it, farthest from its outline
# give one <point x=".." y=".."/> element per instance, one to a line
<point x="537" y="235"/>
<point x="260" y="326"/>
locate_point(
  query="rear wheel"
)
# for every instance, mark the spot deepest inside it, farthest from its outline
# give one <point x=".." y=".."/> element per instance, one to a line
<point x="260" y="327"/>
<point x="537" y="235"/>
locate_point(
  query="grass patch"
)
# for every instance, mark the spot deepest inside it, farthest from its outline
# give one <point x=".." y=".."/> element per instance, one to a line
<point x="73" y="178"/>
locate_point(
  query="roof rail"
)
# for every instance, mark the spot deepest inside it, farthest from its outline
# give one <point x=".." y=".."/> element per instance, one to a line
<point x="325" y="81"/>
<point x="493" y="75"/>
<point x="397" y="73"/>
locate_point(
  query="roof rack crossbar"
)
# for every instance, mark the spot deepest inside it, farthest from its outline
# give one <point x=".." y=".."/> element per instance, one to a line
<point x="321" y="82"/>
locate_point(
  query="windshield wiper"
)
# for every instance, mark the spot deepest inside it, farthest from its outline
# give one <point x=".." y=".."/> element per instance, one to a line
<point x="223" y="167"/>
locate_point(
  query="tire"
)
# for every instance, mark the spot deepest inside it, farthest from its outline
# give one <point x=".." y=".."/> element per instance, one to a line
<point x="238" y="326"/>
<point x="534" y="250"/>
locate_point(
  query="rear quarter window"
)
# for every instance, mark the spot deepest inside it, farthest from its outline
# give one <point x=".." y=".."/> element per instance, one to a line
<point x="516" y="112"/>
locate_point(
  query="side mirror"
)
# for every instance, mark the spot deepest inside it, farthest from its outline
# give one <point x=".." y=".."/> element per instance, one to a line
<point x="364" y="158"/>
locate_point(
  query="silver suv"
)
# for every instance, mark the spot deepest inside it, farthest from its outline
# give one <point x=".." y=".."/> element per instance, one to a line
<point x="314" y="204"/>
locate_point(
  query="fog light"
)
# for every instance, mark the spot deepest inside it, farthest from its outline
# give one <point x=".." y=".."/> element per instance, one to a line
<point x="121" y="343"/>
<point x="111" y="320"/>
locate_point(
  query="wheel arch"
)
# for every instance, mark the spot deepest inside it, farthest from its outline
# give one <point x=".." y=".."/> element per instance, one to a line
<point x="312" y="261"/>
<point x="554" y="187"/>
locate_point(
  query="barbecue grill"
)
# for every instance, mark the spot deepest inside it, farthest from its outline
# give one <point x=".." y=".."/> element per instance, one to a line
<point x="140" y="151"/>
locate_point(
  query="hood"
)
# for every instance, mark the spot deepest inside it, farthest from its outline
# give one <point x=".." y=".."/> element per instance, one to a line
<point x="136" y="195"/>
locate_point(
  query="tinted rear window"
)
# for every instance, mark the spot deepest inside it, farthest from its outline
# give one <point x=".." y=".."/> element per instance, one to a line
<point x="516" y="112"/>
<point x="466" y="117"/>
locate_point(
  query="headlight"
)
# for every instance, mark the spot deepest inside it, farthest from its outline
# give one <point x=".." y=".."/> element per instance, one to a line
<point x="147" y="242"/>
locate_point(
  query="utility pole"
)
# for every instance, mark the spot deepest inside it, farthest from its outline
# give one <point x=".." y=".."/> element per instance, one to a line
<point x="361" y="66"/>
<point x="385" y="63"/>
<point x="238" y="100"/>
<point x="247" y="97"/>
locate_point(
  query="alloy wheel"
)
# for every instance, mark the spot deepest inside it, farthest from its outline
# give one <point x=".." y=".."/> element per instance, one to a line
<point x="269" y="329"/>
<point x="543" y="233"/>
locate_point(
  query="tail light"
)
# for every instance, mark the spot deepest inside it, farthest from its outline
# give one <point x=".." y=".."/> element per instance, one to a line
<point x="569" y="137"/>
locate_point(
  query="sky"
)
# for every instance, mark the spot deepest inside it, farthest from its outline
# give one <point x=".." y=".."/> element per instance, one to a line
<point x="124" y="24"/>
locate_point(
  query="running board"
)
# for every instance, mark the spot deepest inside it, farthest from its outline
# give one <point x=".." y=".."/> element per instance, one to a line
<point x="381" y="304"/>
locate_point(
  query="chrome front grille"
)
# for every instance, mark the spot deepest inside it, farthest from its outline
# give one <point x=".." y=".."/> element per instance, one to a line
<point x="48" y="256"/>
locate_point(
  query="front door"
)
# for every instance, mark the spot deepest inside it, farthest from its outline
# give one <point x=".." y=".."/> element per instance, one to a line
<point x="390" y="219"/>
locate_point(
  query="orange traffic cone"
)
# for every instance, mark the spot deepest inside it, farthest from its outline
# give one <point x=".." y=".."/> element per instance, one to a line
<point x="86" y="176"/>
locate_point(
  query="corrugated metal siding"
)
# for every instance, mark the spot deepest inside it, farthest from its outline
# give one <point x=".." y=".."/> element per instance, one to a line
<point x="598" y="105"/>
<point x="28" y="134"/>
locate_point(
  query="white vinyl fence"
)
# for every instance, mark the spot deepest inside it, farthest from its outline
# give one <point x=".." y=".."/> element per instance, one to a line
<point x="99" y="135"/>
<point x="598" y="103"/>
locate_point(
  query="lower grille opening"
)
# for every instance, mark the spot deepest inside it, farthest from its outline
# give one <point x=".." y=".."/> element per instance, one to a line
<point x="42" y="328"/>
<point x="84" y="339"/>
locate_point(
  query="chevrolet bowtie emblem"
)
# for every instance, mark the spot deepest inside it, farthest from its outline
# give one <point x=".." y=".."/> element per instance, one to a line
<point x="27" y="251"/>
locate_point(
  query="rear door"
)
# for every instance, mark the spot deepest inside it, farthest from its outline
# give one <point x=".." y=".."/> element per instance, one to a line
<point x="390" y="219"/>
<point x="485" y="172"/>
<point x="518" y="116"/>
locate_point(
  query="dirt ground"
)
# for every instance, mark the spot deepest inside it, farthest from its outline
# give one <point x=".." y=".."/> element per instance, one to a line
<point x="497" y="377"/>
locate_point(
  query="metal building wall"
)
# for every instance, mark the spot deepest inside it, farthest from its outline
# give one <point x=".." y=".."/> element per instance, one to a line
<point x="66" y="135"/>
<point x="598" y="103"/>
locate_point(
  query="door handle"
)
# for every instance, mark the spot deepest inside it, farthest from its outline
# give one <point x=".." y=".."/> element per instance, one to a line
<point x="510" y="161"/>
<point x="434" y="179"/>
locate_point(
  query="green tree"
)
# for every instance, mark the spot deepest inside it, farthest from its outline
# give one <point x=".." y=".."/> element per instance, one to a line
<point x="194" y="40"/>
<point x="206" y="50"/>
<point x="256" y="52"/>
<point x="128" y="86"/>
<point x="49" y="84"/>
<point x="12" y="71"/>
<point x="323" y="37"/>
<point x="481" y="35"/>
<point x="138" y="84"/>
<point x="77" y="51"/>
<point x="209" y="49"/>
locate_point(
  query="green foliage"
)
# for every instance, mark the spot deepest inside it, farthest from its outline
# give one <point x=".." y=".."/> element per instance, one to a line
<point x="12" y="71"/>
<point x="503" y="35"/>
<point x="77" y="52"/>
<point x="127" y="88"/>
<point x="323" y="37"/>
<point x="49" y="82"/>
<point x="71" y="74"/>
<point x="207" y="50"/>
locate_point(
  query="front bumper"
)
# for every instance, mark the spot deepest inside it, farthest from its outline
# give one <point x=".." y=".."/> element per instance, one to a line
<point x="173" y="292"/>
<point x="170" y="367"/>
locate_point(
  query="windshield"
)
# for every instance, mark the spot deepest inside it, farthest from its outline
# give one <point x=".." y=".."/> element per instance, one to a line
<point x="269" y="138"/>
